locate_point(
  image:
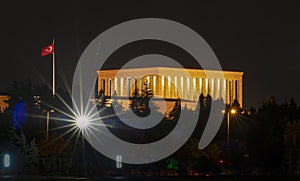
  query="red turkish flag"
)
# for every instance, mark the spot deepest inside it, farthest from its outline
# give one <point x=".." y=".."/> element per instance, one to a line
<point x="48" y="50"/>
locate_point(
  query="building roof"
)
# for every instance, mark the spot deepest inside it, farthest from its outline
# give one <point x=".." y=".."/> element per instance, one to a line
<point x="167" y="71"/>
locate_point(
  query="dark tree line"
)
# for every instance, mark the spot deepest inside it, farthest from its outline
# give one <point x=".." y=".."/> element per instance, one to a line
<point x="263" y="140"/>
<point x="257" y="144"/>
<point x="26" y="142"/>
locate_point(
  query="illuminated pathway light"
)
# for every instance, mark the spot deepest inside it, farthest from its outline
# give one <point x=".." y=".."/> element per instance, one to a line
<point x="119" y="161"/>
<point x="6" y="160"/>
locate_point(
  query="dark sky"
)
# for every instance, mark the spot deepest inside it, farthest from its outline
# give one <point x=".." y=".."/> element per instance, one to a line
<point x="262" y="39"/>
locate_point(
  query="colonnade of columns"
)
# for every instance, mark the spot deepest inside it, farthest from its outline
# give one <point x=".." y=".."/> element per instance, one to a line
<point x="186" y="88"/>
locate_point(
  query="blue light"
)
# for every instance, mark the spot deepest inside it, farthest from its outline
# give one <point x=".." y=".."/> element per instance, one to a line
<point x="6" y="160"/>
<point x="19" y="115"/>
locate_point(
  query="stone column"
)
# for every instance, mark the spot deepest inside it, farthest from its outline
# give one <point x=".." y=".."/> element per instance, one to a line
<point x="187" y="87"/>
<point x="185" y="94"/>
<point x="209" y="87"/>
<point x="112" y="86"/>
<point x="198" y="88"/>
<point x="117" y="86"/>
<point x="194" y="90"/>
<point x="162" y="85"/>
<point x="99" y="85"/>
<point x="234" y="90"/>
<point x="204" y="86"/>
<point x="240" y="92"/>
<point x="132" y="85"/>
<point x="139" y="83"/>
<point x="192" y="87"/>
<point x="142" y="83"/>
<point x="168" y="87"/>
<point x="154" y="79"/>
<point x="126" y="86"/>
<point x="160" y="88"/>
<point x="106" y="87"/>
<point x="151" y="83"/>
<point x="176" y="81"/>
<point x="217" y="89"/>
<point x="121" y="86"/>
<point x="227" y="92"/>
<point x="172" y="88"/>
<point x="223" y="89"/>
<point x="201" y="86"/>
<point x="213" y="88"/>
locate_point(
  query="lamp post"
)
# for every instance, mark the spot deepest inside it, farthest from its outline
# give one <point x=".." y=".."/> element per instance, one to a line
<point x="47" y="123"/>
<point x="231" y="111"/>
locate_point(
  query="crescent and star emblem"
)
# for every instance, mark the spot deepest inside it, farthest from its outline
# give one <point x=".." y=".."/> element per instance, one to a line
<point x="49" y="49"/>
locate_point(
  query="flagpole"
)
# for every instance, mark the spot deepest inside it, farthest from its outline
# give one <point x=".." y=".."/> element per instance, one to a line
<point x="53" y="70"/>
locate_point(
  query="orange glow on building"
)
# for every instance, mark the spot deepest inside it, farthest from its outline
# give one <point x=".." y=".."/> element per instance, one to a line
<point x="174" y="83"/>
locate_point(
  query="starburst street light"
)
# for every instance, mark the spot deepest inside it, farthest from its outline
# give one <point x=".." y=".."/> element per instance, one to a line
<point x="232" y="111"/>
<point x="82" y="122"/>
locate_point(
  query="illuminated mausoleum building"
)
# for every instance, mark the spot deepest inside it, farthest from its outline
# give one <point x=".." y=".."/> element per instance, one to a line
<point x="173" y="83"/>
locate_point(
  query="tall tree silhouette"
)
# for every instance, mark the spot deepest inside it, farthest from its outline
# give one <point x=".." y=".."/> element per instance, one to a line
<point x="141" y="100"/>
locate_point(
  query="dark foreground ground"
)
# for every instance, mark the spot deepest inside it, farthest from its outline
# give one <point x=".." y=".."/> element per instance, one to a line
<point x="211" y="178"/>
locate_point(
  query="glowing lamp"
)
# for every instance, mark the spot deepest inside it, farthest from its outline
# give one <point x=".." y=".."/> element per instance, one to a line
<point x="6" y="160"/>
<point x="119" y="161"/>
<point x="232" y="111"/>
<point x="82" y="122"/>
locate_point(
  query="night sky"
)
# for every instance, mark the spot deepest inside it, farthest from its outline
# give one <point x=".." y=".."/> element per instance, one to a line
<point x="262" y="39"/>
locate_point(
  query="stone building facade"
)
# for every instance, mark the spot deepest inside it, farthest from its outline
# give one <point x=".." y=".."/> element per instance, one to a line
<point x="173" y="83"/>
